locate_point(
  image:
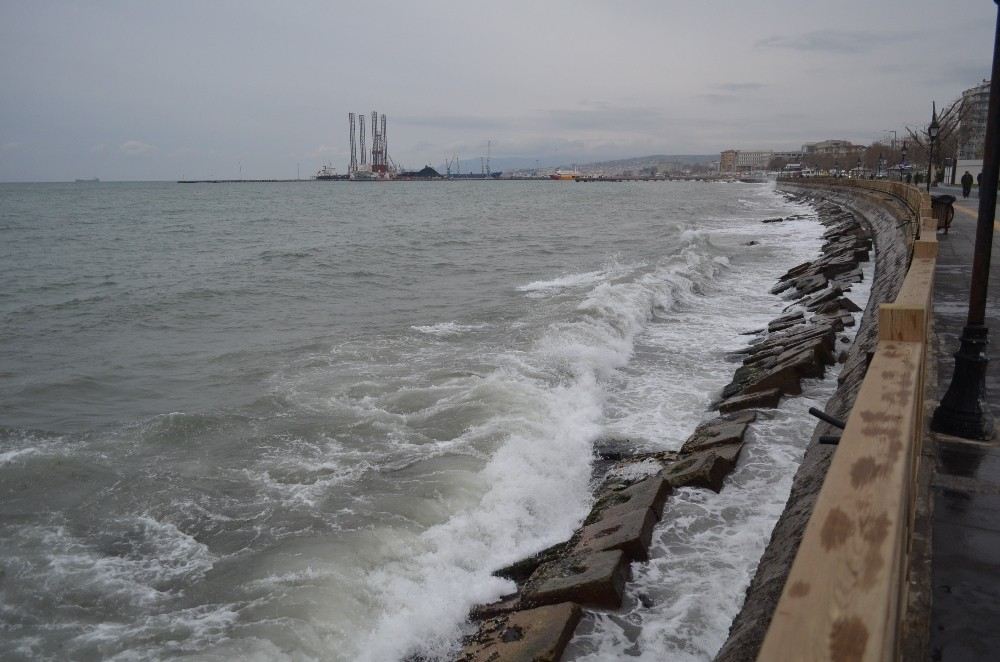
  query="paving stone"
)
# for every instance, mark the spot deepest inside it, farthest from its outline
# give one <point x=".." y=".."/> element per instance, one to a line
<point x="532" y="635"/>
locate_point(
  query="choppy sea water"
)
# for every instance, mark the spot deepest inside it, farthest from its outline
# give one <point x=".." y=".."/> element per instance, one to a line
<point x="306" y="421"/>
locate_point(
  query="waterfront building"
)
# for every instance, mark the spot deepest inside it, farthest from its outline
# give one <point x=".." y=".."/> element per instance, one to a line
<point x="753" y="160"/>
<point x="727" y="161"/>
<point x="832" y="148"/>
<point x="972" y="133"/>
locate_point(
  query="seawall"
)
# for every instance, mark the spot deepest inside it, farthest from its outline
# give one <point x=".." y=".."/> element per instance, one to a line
<point x="590" y="569"/>
<point x="892" y="226"/>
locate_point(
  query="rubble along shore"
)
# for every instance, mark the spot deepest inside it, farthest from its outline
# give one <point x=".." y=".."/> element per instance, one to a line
<point x="892" y="228"/>
<point x="590" y="569"/>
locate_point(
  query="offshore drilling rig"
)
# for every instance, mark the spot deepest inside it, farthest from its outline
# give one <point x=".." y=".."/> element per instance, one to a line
<point x="374" y="165"/>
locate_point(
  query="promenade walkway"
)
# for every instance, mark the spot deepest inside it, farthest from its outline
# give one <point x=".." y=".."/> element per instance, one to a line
<point x="965" y="616"/>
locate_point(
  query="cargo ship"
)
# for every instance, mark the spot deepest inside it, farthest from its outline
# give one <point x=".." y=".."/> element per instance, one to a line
<point x="326" y="173"/>
<point x="565" y="175"/>
<point x="475" y="175"/>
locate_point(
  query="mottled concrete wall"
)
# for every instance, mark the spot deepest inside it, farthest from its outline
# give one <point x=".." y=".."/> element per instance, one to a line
<point x="892" y="227"/>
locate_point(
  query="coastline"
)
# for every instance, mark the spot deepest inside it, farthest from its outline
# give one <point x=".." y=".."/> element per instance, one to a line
<point x="591" y="568"/>
<point x="888" y="221"/>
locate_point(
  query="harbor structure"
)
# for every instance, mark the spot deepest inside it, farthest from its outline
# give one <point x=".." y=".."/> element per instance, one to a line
<point x="379" y="165"/>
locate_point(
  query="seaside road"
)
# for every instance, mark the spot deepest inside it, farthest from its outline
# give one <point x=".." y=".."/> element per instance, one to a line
<point x="965" y="562"/>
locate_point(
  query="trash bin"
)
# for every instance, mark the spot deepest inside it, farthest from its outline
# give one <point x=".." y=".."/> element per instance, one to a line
<point x="943" y="207"/>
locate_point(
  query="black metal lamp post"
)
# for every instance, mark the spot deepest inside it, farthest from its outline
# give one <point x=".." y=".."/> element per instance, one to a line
<point x="963" y="411"/>
<point x="858" y="174"/>
<point x="902" y="163"/>
<point x="881" y="165"/>
<point x="932" y="133"/>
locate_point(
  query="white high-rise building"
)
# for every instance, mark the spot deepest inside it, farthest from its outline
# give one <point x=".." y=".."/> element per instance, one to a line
<point x="975" y="109"/>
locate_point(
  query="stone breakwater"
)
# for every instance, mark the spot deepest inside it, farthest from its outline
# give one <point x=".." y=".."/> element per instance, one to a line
<point x="891" y="226"/>
<point x="590" y="570"/>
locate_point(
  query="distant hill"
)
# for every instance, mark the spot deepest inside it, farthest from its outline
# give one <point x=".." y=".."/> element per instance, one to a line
<point x="526" y="165"/>
<point x="662" y="163"/>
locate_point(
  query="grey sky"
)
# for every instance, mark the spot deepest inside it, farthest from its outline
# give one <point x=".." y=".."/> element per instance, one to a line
<point x="160" y="90"/>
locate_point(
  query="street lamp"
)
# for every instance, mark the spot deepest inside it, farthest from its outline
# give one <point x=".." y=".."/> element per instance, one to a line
<point x="902" y="163"/>
<point x="932" y="133"/>
<point x="858" y="174"/>
<point x="963" y="411"/>
<point x="836" y="168"/>
<point x="881" y="165"/>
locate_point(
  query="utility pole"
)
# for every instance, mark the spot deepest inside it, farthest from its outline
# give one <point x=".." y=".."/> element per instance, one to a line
<point x="963" y="411"/>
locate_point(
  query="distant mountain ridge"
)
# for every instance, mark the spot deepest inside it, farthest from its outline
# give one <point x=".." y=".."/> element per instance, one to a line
<point x="525" y="165"/>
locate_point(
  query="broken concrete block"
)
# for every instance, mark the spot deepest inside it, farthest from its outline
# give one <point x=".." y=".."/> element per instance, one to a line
<point x="705" y="468"/>
<point x="519" y="571"/>
<point x="504" y="605"/>
<point x="831" y="293"/>
<point x="595" y="580"/>
<point x="649" y="493"/>
<point x="820" y="349"/>
<point x="720" y="432"/>
<point x="796" y="271"/>
<point x="784" y="377"/>
<point x="533" y="635"/>
<point x="763" y="399"/>
<point x="629" y="531"/>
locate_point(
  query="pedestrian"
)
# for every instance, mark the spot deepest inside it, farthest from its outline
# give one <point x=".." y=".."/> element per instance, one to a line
<point x="966" y="184"/>
<point x="979" y="179"/>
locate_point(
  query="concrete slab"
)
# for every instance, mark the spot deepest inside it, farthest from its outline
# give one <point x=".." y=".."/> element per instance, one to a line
<point x="629" y="531"/>
<point x="647" y="494"/>
<point x="706" y="469"/>
<point x="533" y="635"/>
<point x="761" y="400"/>
<point x="595" y="580"/>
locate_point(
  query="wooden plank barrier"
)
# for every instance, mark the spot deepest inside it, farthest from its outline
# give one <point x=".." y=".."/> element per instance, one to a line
<point x="846" y="592"/>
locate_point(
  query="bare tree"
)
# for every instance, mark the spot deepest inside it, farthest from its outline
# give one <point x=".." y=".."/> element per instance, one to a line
<point x="953" y="130"/>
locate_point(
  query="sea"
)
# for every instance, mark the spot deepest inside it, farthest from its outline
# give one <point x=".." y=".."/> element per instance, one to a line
<point x="307" y="421"/>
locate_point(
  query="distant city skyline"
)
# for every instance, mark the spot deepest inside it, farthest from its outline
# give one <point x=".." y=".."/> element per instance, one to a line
<point x="183" y="89"/>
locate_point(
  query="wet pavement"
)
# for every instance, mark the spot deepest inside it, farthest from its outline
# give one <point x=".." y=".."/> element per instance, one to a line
<point x="965" y="613"/>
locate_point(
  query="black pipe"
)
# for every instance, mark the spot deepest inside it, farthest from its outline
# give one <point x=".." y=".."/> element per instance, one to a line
<point x="823" y="416"/>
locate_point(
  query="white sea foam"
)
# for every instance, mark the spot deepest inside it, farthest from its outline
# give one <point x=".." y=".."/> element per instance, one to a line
<point x="536" y="483"/>
<point x="612" y="269"/>
<point x="569" y="280"/>
<point x="681" y="603"/>
<point x="150" y="558"/>
<point x="448" y="328"/>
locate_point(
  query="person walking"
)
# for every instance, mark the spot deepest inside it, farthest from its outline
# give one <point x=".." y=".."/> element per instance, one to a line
<point x="966" y="184"/>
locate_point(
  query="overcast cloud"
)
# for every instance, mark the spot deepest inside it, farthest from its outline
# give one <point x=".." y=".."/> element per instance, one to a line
<point x="161" y="90"/>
